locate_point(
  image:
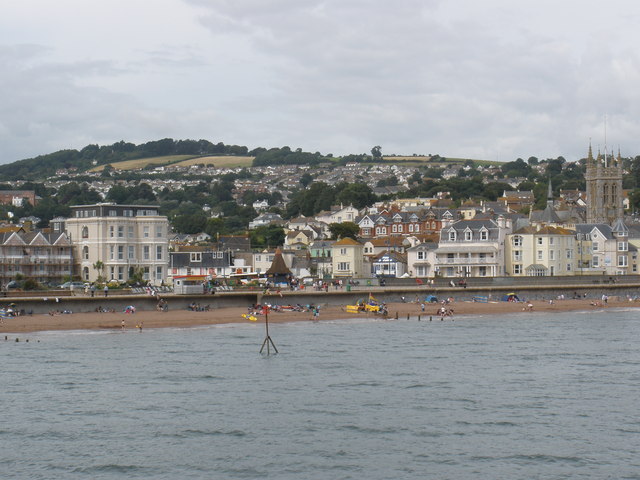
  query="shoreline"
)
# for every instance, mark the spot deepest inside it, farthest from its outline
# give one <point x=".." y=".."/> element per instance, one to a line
<point x="186" y="318"/>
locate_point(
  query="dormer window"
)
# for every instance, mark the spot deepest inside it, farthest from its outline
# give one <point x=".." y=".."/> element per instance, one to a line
<point x="452" y="235"/>
<point x="468" y="235"/>
<point x="484" y="234"/>
<point x="196" y="256"/>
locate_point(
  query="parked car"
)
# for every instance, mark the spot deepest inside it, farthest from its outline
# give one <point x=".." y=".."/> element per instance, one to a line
<point x="72" y="286"/>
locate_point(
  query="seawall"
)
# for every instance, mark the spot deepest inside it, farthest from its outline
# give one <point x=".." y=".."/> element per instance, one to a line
<point x="83" y="303"/>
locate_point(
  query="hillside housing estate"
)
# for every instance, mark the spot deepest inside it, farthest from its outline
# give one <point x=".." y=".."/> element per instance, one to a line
<point x="423" y="238"/>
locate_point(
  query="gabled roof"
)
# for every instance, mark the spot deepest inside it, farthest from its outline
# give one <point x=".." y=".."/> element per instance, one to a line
<point x="13" y="239"/>
<point x="36" y="239"/>
<point x="475" y="225"/>
<point x="392" y="254"/>
<point x="587" y="228"/>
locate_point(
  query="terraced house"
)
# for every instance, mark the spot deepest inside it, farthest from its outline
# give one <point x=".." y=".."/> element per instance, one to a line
<point x="403" y="223"/>
<point x="44" y="257"/>
<point x="541" y="252"/>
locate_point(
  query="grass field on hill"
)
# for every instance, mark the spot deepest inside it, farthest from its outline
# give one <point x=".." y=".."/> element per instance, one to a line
<point x="143" y="162"/>
<point x="218" y="161"/>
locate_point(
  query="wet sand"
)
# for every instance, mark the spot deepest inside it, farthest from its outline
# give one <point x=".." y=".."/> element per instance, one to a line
<point x="186" y="318"/>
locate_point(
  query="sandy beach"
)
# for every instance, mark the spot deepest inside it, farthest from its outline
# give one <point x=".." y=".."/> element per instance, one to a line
<point x="187" y="318"/>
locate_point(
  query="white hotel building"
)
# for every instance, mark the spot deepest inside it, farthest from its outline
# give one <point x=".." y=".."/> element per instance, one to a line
<point x="125" y="238"/>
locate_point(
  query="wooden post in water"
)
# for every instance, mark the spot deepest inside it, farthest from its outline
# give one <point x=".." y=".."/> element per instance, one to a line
<point x="267" y="340"/>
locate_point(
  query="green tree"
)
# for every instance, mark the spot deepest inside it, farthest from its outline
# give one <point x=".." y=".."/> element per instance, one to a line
<point x="515" y="169"/>
<point x="359" y="195"/>
<point x="305" y="179"/>
<point x="99" y="266"/>
<point x="267" y="236"/>
<point x="635" y="171"/>
<point x="190" y="223"/>
<point x="343" y="230"/>
<point x="634" y="200"/>
<point x="214" y="227"/>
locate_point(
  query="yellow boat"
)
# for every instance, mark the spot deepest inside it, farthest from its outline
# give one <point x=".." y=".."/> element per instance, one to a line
<point x="363" y="307"/>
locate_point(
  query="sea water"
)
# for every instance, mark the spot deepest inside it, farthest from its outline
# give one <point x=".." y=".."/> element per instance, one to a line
<point x="527" y="396"/>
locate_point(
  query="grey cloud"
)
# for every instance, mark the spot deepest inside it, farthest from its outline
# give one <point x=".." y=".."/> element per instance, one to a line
<point x="459" y="85"/>
<point x="491" y="80"/>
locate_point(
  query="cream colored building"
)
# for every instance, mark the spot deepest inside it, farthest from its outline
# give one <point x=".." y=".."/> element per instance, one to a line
<point x="541" y="252"/>
<point x="348" y="259"/>
<point x="126" y="239"/>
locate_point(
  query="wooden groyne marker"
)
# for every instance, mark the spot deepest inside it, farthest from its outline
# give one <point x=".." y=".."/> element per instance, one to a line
<point x="267" y="340"/>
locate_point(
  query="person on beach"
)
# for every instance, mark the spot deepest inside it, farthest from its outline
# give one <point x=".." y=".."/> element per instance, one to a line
<point x="123" y="325"/>
<point x="106" y="290"/>
<point x="93" y="289"/>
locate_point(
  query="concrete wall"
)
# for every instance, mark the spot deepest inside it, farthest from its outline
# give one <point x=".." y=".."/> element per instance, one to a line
<point x="78" y="304"/>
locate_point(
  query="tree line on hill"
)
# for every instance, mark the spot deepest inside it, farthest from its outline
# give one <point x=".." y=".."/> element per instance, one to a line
<point x="44" y="166"/>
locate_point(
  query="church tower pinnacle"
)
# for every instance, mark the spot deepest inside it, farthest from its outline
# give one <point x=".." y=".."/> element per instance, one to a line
<point x="604" y="188"/>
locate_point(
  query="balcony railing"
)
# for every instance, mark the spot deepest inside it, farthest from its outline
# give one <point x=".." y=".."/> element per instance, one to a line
<point x="468" y="261"/>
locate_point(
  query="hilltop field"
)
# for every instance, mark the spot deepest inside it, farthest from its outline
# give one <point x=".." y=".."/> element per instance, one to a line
<point x="220" y="161"/>
<point x="229" y="161"/>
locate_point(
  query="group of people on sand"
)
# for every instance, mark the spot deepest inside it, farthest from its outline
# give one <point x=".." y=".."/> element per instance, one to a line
<point x="445" y="311"/>
<point x="101" y="309"/>
<point x="196" y="307"/>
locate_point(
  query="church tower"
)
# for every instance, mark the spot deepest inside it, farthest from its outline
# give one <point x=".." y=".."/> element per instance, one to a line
<point x="604" y="188"/>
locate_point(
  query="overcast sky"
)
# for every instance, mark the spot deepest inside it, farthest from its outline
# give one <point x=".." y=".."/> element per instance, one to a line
<point x="490" y="79"/>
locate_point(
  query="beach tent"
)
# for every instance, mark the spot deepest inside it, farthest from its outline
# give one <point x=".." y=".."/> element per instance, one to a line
<point x="510" y="297"/>
<point x="431" y="299"/>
